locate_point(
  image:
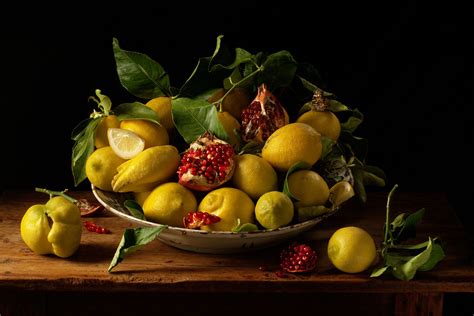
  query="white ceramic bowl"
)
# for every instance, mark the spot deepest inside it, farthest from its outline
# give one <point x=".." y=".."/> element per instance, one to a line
<point x="203" y="241"/>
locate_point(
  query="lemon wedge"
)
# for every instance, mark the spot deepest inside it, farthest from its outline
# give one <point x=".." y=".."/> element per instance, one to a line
<point x="126" y="144"/>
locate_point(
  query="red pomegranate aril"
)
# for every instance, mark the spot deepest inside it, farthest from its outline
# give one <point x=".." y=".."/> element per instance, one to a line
<point x="92" y="227"/>
<point x="298" y="258"/>
<point x="197" y="219"/>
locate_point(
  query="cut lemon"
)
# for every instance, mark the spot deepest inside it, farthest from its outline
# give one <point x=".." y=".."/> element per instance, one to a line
<point x="126" y="144"/>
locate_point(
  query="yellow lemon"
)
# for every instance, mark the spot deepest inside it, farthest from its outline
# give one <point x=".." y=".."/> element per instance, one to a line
<point x="140" y="197"/>
<point x="101" y="167"/>
<point x="162" y="107"/>
<point x="234" y="102"/>
<point x="351" y="249"/>
<point x="231" y="205"/>
<point x="168" y="204"/>
<point x="254" y="175"/>
<point x="152" y="133"/>
<point x="325" y="123"/>
<point x="126" y="144"/>
<point x="274" y="209"/>
<point x="101" y="139"/>
<point x="292" y="143"/>
<point x="308" y="187"/>
<point x="231" y="126"/>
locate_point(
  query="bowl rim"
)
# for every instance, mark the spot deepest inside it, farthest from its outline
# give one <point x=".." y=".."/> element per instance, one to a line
<point x="266" y="232"/>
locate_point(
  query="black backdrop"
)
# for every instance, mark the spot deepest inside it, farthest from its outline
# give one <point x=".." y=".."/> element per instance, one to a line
<point x="407" y="67"/>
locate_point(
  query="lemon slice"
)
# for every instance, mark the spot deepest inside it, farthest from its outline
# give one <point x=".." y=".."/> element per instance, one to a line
<point x="126" y="144"/>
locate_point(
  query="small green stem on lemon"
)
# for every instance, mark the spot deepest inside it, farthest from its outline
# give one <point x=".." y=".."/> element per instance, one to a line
<point x="387" y="217"/>
<point x="60" y="193"/>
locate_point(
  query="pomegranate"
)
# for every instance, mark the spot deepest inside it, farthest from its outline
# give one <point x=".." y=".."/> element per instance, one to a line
<point x="88" y="208"/>
<point x="197" y="219"/>
<point x="263" y="116"/>
<point x="207" y="164"/>
<point x="298" y="258"/>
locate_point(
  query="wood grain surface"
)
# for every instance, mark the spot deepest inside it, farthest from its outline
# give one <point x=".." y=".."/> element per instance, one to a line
<point x="164" y="269"/>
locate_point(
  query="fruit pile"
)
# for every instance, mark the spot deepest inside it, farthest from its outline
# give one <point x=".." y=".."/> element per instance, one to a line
<point x="227" y="151"/>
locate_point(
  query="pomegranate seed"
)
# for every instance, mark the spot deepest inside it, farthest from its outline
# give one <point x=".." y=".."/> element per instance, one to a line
<point x="92" y="227"/>
<point x="281" y="274"/>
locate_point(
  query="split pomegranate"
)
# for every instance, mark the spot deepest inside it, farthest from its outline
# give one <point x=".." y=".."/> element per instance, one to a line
<point x="197" y="219"/>
<point x="207" y="164"/>
<point x="298" y="258"/>
<point x="88" y="208"/>
<point x="263" y="116"/>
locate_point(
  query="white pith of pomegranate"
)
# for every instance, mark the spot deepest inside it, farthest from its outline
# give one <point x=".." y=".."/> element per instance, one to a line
<point x="263" y="116"/>
<point x="207" y="164"/>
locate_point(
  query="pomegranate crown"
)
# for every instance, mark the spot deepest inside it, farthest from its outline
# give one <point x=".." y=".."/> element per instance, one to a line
<point x="319" y="101"/>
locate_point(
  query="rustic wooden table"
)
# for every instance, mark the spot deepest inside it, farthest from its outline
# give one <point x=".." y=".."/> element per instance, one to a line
<point x="160" y="278"/>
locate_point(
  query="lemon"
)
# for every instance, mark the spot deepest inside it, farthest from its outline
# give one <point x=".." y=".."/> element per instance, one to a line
<point x="324" y="122"/>
<point x="341" y="192"/>
<point x="101" y="138"/>
<point x="147" y="169"/>
<point x="152" y="133"/>
<point x="231" y="205"/>
<point x="231" y="126"/>
<point x="140" y="197"/>
<point x="254" y="175"/>
<point x="234" y="102"/>
<point x="162" y="107"/>
<point x="274" y="209"/>
<point x="101" y="167"/>
<point x="168" y="204"/>
<point x="292" y="143"/>
<point x="308" y="187"/>
<point x="124" y="143"/>
<point x="351" y="249"/>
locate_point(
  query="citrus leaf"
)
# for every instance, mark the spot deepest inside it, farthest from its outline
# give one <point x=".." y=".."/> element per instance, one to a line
<point x="310" y="212"/>
<point x="223" y="58"/>
<point x="437" y="254"/>
<point x="105" y="104"/>
<point x="134" y="208"/>
<point x="252" y="147"/>
<point x="132" y="240"/>
<point x="136" y="111"/>
<point x="195" y="117"/>
<point x="278" y="70"/>
<point x="312" y="87"/>
<point x="408" y="228"/>
<point x="328" y="144"/>
<point x="297" y="166"/>
<point x="372" y="179"/>
<point x="378" y="271"/>
<point x="406" y="271"/>
<point x="139" y="74"/>
<point x="83" y="148"/>
<point x="353" y="121"/>
<point x="336" y="106"/>
<point x="305" y="108"/>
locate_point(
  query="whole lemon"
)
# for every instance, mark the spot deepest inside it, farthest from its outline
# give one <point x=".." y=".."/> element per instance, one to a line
<point x="101" y="167"/>
<point x="254" y="175"/>
<point x="231" y="126"/>
<point x="107" y="122"/>
<point x="231" y="205"/>
<point x="325" y="123"/>
<point x="308" y="187"/>
<point x="168" y="204"/>
<point x="292" y="143"/>
<point x="351" y="249"/>
<point x="140" y="197"/>
<point x="162" y="107"/>
<point x="152" y="133"/>
<point x="274" y="209"/>
<point x="234" y="102"/>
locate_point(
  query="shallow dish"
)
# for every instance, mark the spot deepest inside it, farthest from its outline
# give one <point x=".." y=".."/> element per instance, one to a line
<point x="203" y="241"/>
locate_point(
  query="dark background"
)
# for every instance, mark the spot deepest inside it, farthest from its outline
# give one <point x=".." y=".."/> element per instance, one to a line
<point x="407" y="67"/>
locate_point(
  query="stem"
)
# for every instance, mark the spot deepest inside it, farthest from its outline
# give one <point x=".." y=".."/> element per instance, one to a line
<point x="259" y="68"/>
<point x="387" y="217"/>
<point x="60" y="193"/>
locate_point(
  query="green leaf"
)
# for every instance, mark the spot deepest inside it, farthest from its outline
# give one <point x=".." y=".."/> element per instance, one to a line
<point x="80" y="129"/>
<point x="83" y="148"/>
<point x="359" y="188"/>
<point x="105" y="104"/>
<point x="372" y="179"/>
<point x="310" y="212"/>
<point x="132" y="240"/>
<point x="358" y="145"/>
<point x="328" y="144"/>
<point x="140" y="75"/>
<point x="195" y="117"/>
<point x="247" y="227"/>
<point x="206" y="95"/>
<point x="135" y="209"/>
<point x="312" y="87"/>
<point x="336" y="106"/>
<point x="376" y="171"/>
<point x="222" y="58"/>
<point x="437" y="254"/>
<point x="305" y="108"/>
<point x="408" y="229"/>
<point x="407" y="270"/>
<point x="252" y="147"/>
<point x="378" y="271"/>
<point x="297" y="166"/>
<point x="136" y="111"/>
<point x="278" y="70"/>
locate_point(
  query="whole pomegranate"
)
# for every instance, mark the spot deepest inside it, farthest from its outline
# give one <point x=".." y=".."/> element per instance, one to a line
<point x="263" y="116"/>
<point x="207" y="164"/>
